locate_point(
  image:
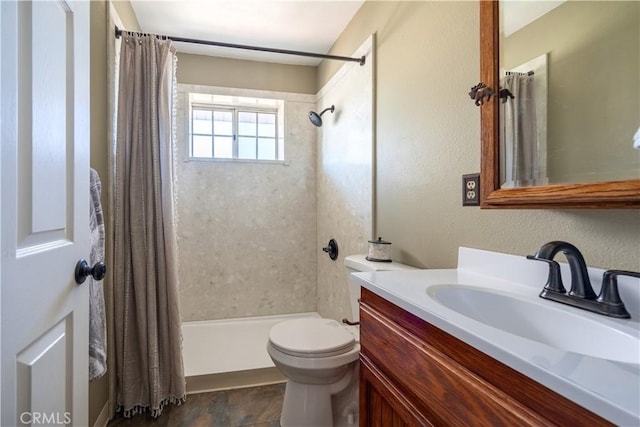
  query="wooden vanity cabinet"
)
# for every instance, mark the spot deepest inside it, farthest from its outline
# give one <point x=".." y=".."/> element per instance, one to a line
<point x="412" y="373"/>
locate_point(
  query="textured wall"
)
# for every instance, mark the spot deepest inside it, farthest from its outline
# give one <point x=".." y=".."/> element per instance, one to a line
<point x="428" y="135"/>
<point x="247" y="231"/>
<point x="227" y="72"/>
<point x="345" y="152"/>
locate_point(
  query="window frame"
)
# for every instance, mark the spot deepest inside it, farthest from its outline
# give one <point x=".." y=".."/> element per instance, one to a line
<point x="235" y="109"/>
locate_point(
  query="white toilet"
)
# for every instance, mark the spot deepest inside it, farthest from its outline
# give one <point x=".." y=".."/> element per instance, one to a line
<point x="319" y="357"/>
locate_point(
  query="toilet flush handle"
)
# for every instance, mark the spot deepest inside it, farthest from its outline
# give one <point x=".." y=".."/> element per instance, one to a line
<point x="349" y="322"/>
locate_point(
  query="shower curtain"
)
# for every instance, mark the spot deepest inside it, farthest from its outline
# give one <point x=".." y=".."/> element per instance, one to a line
<point x="147" y="370"/>
<point x="519" y="154"/>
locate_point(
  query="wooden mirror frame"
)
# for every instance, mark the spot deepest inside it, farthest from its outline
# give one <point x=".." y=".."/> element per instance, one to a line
<point x="596" y="195"/>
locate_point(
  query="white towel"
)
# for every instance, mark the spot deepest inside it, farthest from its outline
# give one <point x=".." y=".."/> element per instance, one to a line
<point x="97" y="321"/>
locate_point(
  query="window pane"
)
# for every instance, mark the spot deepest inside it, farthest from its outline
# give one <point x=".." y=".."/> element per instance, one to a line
<point x="223" y="147"/>
<point x="267" y="125"/>
<point x="201" y="146"/>
<point x="222" y="123"/>
<point x="247" y="123"/>
<point x="267" y="148"/>
<point x="202" y="122"/>
<point x="246" y="148"/>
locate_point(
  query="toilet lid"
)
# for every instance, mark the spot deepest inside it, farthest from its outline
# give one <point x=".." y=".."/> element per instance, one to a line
<point x="306" y="337"/>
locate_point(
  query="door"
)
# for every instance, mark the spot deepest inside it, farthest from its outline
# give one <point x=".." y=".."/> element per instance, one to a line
<point x="44" y="225"/>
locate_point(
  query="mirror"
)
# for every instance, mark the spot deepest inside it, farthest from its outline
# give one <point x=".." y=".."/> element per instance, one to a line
<point x="569" y="166"/>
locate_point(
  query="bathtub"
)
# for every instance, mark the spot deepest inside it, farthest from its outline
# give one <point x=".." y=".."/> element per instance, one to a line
<point x="230" y="353"/>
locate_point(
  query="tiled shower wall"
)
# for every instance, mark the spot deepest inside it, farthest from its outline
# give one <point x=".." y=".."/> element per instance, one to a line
<point x="345" y="177"/>
<point x="247" y="231"/>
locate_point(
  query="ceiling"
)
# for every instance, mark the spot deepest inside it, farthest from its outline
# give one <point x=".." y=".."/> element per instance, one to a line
<point x="303" y="25"/>
<point x="518" y="14"/>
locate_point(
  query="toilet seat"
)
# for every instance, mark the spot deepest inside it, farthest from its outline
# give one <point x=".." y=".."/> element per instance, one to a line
<point x="311" y="338"/>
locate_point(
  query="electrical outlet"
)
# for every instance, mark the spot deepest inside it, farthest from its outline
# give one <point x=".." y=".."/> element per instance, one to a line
<point x="471" y="189"/>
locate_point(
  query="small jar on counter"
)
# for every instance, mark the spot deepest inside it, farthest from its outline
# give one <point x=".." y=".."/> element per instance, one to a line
<point x="379" y="250"/>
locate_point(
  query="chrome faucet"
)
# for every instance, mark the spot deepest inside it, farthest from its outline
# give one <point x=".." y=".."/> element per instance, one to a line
<point x="581" y="294"/>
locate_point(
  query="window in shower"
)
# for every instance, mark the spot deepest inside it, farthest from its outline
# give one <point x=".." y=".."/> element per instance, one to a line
<point x="235" y="128"/>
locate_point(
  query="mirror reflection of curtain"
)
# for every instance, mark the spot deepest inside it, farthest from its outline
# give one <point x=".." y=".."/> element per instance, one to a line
<point x="521" y="163"/>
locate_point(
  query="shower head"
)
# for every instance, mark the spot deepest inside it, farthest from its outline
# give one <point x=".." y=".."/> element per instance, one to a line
<point x="316" y="118"/>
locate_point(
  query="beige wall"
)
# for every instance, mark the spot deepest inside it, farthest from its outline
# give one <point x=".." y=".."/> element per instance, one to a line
<point x="212" y="71"/>
<point x="428" y="135"/>
<point x="593" y="92"/>
<point x="98" y="390"/>
<point x="126" y="14"/>
<point x="247" y="231"/>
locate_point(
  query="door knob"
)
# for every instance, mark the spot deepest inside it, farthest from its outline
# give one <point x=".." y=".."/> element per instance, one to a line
<point x="83" y="270"/>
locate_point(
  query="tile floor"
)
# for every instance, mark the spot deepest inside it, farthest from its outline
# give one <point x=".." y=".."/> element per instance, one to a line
<point x="252" y="406"/>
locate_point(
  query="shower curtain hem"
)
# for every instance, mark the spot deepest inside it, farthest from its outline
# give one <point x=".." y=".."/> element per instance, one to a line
<point x="155" y="412"/>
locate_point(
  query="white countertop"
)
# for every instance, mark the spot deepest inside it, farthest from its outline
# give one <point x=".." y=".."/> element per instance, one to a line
<point x="608" y="388"/>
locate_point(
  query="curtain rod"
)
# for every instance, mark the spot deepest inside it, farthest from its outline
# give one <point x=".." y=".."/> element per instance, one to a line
<point x="360" y="60"/>
<point x="528" y="73"/>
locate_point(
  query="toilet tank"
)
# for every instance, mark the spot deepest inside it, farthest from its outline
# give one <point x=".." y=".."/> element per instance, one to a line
<point x="359" y="263"/>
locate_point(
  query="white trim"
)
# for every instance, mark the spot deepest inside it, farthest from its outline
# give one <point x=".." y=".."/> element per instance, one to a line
<point x="103" y="417"/>
<point x="256" y="93"/>
<point x="234" y="160"/>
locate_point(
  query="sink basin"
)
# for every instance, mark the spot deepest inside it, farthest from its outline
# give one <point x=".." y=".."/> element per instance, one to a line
<point x="539" y="321"/>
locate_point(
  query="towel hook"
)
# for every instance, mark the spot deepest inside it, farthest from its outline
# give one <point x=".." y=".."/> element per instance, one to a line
<point x="479" y="92"/>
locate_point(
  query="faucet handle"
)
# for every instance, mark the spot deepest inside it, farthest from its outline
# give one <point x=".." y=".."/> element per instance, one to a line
<point x="554" y="281"/>
<point x="609" y="292"/>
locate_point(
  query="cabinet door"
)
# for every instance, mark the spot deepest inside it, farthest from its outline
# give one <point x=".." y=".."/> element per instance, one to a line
<point x="428" y="377"/>
<point x="382" y="404"/>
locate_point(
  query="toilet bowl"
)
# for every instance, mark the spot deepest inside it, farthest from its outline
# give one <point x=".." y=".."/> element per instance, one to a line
<point x="319" y="358"/>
